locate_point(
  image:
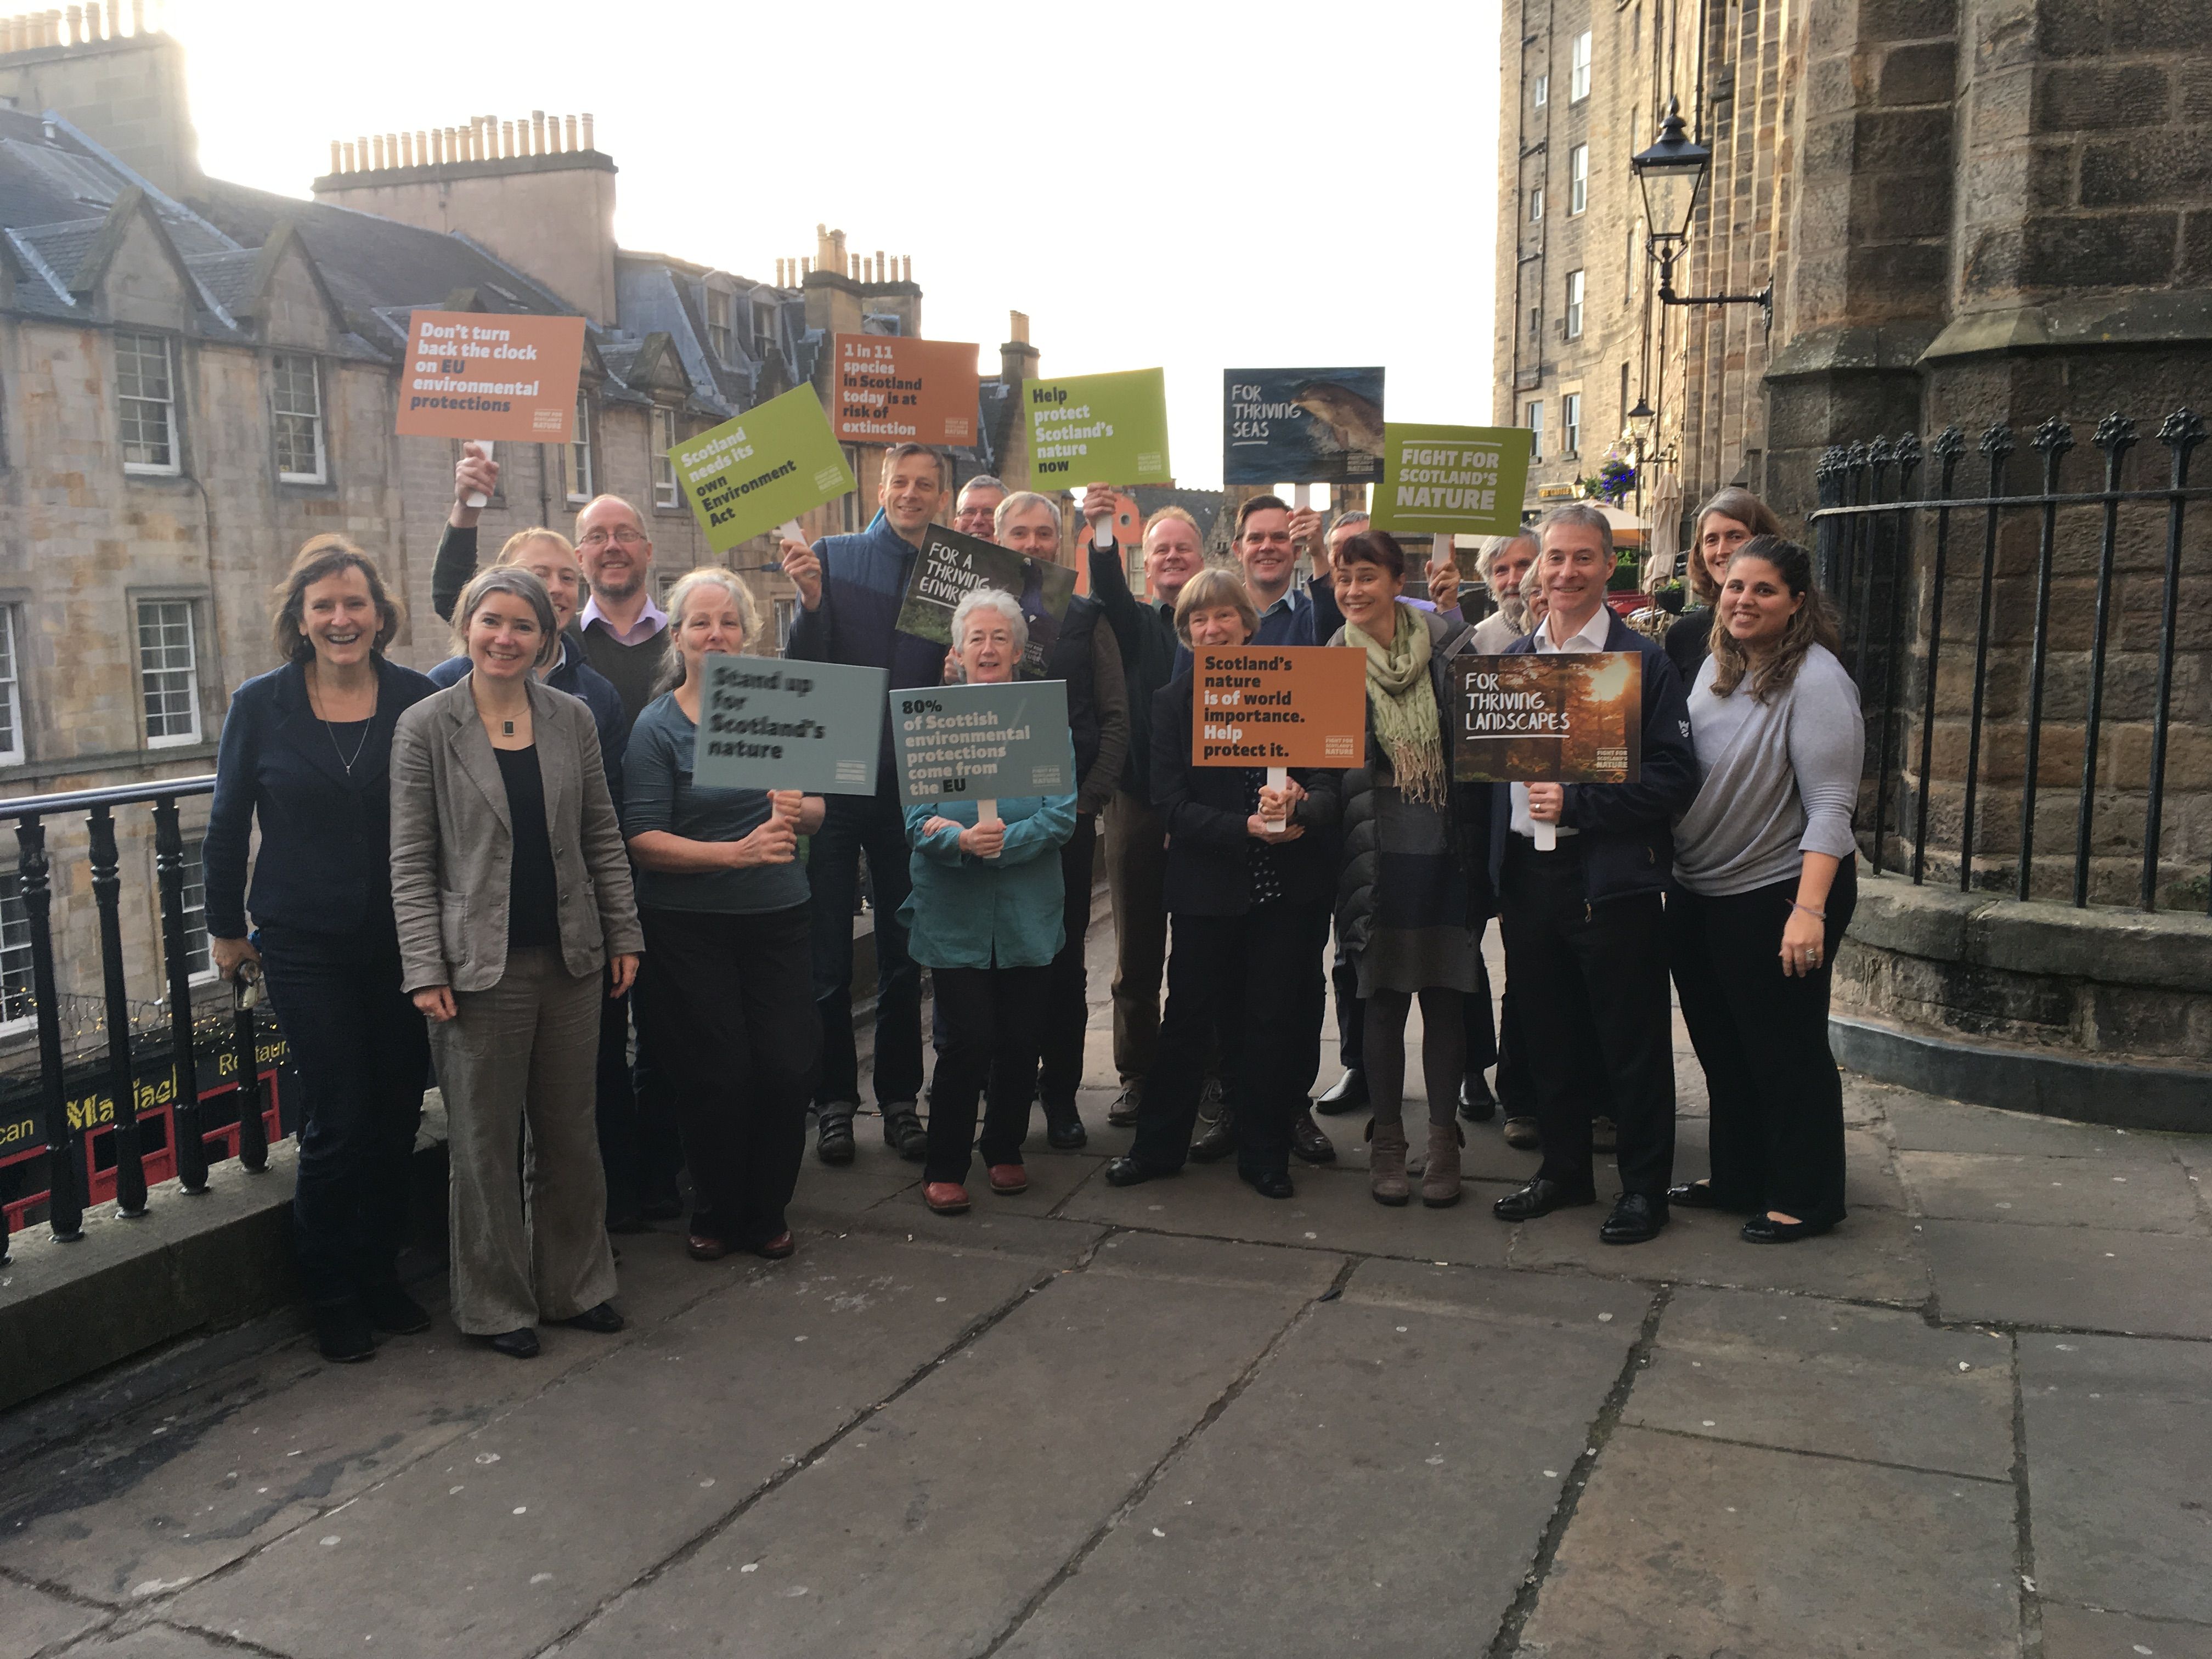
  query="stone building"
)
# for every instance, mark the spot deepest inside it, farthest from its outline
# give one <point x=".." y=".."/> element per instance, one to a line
<point x="1978" y="214"/>
<point x="196" y="377"/>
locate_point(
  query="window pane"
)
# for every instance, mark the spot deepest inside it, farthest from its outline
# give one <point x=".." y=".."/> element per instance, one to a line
<point x="664" y="464"/>
<point x="145" y="402"/>
<point x="15" y="999"/>
<point x="167" y="669"/>
<point x="1579" y="85"/>
<point x="295" y="399"/>
<point x="579" y="454"/>
<point x="198" y="956"/>
<point x="11" y="704"/>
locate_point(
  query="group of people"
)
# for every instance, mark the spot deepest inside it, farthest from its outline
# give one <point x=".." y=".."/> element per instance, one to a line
<point x="505" y="873"/>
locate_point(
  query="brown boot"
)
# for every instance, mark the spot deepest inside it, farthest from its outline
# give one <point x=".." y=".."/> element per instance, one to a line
<point x="1386" y="1162"/>
<point x="1440" y="1180"/>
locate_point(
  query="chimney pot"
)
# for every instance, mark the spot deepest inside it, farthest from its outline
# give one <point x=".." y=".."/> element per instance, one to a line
<point x="906" y="264"/>
<point x="137" y="16"/>
<point x="538" y="130"/>
<point x="421" y="148"/>
<point x="75" y="35"/>
<point x="391" y="148"/>
<point x="505" y="139"/>
<point x="406" y="149"/>
<point x="805" y="267"/>
<point x="334" y="155"/>
<point x="1017" y="327"/>
<point x="91" y="21"/>
<point x="349" y="158"/>
<point x="572" y="131"/>
<point x="588" y="143"/>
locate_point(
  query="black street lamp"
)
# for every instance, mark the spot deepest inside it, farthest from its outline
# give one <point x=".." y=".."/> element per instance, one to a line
<point x="1671" y="174"/>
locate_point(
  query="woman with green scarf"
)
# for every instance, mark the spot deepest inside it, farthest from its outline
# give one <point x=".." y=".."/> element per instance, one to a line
<point x="1414" y="890"/>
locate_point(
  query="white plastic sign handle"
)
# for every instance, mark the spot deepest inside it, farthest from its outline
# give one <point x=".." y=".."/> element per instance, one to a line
<point x="478" y="498"/>
<point x="1277" y="777"/>
<point x="987" y="809"/>
<point x="790" y="531"/>
<point x="1546" y="836"/>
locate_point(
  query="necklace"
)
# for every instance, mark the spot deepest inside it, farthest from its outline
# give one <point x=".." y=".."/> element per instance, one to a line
<point x="331" y="730"/>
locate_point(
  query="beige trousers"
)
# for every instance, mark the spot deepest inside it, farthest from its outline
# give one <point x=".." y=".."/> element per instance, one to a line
<point x="525" y="1050"/>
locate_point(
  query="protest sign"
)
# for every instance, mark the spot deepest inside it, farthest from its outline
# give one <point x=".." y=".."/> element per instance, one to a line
<point x="1574" y="717"/>
<point x="980" y="742"/>
<point x="763" y="469"/>
<point x="494" y="376"/>
<point x="951" y="566"/>
<point x="893" y="389"/>
<point x="1099" y="428"/>
<point x="1302" y="426"/>
<point x="1448" y="480"/>
<point x="766" y="724"/>
<point x="1278" y="707"/>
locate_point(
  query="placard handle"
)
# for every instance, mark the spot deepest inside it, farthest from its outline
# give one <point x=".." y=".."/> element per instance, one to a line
<point x="789" y="531"/>
<point x="477" y="497"/>
<point x="1546" y="836"/>
<point x="1277" y="777"/>
<point x="987" y="808"/>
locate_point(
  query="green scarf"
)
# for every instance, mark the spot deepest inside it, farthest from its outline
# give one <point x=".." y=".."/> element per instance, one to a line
<point x="1404" y="705"/>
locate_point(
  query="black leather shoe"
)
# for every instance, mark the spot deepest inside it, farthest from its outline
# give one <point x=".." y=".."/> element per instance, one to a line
<point x="391" y="1309"/>
<point x="1217" y="1141"/>
<point x="1636" y="1217"/>
<point x="603" y="1319"/>
<point x="904" y="1132"/>
<point x="1307" y="1140"/>
<point x="833" y="1141"/>
<point x="1765" y="1230"/>
<point x="1127" y="1171"/>
<point x="1538" y="1197"/>
<point x="1269" y="1183"/>
<point x="1348" y="1094"/>
<point x="343" y="1332"/>
<point x="1476" y="1103"/>
<point x="516" y="1345"/>
<point x="1063" y="1128"/>
<point x="1693" y="1195"/>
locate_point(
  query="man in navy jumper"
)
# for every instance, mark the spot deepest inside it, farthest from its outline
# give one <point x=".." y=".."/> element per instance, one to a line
<point x="849" y="591"/>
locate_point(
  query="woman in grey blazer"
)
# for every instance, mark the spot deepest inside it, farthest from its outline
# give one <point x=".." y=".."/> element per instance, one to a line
<point x="511" y="893"/>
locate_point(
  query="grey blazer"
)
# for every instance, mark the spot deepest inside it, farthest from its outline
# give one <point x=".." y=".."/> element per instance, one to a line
<point x="453" y="845"/>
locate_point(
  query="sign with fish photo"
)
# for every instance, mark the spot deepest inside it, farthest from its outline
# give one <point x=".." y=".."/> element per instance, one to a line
<point x="1302" y="426"/>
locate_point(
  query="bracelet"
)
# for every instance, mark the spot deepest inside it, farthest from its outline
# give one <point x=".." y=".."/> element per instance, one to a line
<point x="1808" y="910"/>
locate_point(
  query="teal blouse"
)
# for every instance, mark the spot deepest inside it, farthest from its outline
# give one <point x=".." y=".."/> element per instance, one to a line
<point x="1006" y="912"/>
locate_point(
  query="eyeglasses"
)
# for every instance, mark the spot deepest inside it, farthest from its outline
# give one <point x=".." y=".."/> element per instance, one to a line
<point x="626" y="536"/>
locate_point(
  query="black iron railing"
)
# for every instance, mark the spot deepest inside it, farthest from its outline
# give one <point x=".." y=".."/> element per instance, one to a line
<point x="120" y="1074"/>
<point x="1884" y="537"/>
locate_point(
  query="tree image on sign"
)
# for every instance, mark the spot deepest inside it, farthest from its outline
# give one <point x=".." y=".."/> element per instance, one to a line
<point x="951" y="566"/>
<point x="1452" y="480"/>
<point x="1575" y="717"/>
<point x="771" y="464"/>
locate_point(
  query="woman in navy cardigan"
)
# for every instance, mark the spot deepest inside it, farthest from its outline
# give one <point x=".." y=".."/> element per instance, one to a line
<point x="305" y="751"/>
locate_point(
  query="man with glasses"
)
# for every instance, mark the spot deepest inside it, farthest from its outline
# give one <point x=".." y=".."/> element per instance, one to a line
<point x="850" y="589"/>
<point x="975" y="513"/>
<point x="625" y="634"/>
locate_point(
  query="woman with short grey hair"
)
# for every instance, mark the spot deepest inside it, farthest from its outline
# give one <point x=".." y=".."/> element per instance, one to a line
<point x="512" y="895"/>
<point x="990" y="598"/>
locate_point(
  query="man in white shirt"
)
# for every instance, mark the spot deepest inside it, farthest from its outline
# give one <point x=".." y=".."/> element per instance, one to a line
<point x="1582" y="923"/>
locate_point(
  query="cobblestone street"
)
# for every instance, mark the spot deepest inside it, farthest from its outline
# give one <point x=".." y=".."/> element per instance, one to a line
<point x="1179" y="1420"/>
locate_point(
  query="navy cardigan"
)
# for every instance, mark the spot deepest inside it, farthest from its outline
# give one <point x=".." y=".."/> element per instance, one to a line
<point x="324" y="865"/>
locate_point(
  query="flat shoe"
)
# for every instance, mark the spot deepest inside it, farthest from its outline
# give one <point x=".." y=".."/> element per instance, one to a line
<point x="1693" y="1195"/>
<point x="1007" y="1179"/>
<point x="601" y="1319"/>
<point x="515" y="1344"/>
<point x="1476" y="1103"/>
<point x="1348" y="1094"/>
<point x="701" y="1248"/>
<point x="777" y="1248"/>
<point x="1763" y="1230"/>
<point x="945" y="1197"/>
<point x="1539" y="1197"/>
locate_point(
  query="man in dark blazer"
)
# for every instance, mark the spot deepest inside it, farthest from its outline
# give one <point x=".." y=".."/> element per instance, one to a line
<point x="1582" y="923"/>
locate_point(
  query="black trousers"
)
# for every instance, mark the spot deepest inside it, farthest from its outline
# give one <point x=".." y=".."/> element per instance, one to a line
<point x="873" y="827"/>
<point x="1591" y="977"/>
<point x="1762" y="1038"/>
<point x="1060" y="1071"/>
<point x="993" y="1017"/>
<point x="362" y="1052"/>
<point x="726" y="1004"/>
<point x="1263" y="965"/>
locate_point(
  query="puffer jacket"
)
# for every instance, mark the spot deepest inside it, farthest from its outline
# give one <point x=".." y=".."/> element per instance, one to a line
<point x="1361" y="855"/>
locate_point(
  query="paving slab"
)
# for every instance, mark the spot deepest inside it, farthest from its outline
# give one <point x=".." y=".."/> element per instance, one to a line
<point x="156" y="1641"/>
<point x="2083" y="1633"/>
<point x="2074" y="1278"/>
<point x="1685" y="1547"/>
<point x="2130" y="1194"/>
<point x="1249" y="1547"/>
<point x="1870" y="1178"/>
<point x="1874" y="1257"/>
<point x="927" y="1530"/>
<point x="1052" y="1176"/>
<point x="2120" y="1471"/>
<point x="511" y="1535"/>
<point x="1331" y="1211"/>
<point x="1826" y="1377"/>
<point x="32" y="1621"/>
<point x="1923" y="1123"/>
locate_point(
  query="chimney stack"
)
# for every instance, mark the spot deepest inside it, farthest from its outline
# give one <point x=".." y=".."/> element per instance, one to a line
<point x="587" y="132"/>
<point x="906" y="262"/>
<point x="1017" y="358"/>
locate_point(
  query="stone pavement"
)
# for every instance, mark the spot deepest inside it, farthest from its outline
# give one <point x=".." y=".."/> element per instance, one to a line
<point x="1182" y="1420"/>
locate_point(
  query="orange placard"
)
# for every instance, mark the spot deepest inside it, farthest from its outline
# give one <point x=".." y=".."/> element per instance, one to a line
<point x="890" y="389"/>
<point x="1277" y="705"/>
<point x="493" y="375"/>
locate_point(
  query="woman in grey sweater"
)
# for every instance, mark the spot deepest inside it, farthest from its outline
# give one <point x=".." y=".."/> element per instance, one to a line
<point x="1763" y="886"/>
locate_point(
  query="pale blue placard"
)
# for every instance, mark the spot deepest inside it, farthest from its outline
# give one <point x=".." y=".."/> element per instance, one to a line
<point x="982" y="742"/>
<point x="766" y="723"/>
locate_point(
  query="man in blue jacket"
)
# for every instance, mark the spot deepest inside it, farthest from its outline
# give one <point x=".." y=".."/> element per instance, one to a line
<point x="1584" y="937"/>
<point x="850" y="588"/>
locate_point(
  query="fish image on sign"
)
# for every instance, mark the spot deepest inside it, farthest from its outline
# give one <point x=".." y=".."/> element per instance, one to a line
<point x="1302" y="426"/>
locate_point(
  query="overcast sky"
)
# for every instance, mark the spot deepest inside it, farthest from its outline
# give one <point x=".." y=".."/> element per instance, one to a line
<point x="1293" y="185"/>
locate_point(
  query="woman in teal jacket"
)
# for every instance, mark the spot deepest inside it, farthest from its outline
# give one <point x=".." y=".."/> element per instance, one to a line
<point x="985" y="918"/>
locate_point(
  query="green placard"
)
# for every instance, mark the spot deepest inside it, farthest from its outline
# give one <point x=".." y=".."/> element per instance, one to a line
<point x="1452" y="480"/>
<point x="1099" y="428"/>
<point x="772" y="463"/>
<point x="982" y="742"/>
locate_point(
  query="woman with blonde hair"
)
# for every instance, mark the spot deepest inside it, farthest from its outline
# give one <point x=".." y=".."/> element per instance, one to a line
<point x="725" y="997"/>
<point x="306" y="755"/>
<point x="1731" y="517"/>
<point x="516" y="915"/>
